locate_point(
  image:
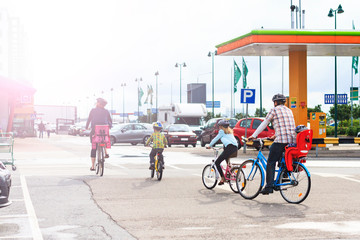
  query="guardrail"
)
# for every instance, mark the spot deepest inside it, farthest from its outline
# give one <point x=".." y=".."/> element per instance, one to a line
<point x="330" y="140"/>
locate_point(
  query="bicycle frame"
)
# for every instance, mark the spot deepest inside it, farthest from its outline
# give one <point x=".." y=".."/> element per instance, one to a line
<point x="262" y="162"/>
<point x="226" y="170"/>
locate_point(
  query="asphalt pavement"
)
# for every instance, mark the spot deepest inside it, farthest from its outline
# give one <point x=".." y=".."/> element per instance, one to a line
<point x="55" y="196"/>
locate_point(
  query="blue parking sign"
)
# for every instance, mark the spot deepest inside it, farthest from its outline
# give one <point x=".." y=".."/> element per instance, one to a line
<point x="248" y="96"/>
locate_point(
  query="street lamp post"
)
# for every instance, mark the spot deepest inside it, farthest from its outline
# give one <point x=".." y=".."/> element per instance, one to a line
<point x="111" y="103"/>
<point x="180" y="65"/>
<point x="338" y="10"/>
<point x="211" y="54"/>
<point x="138" y="88"/>
<point x="123" y="85"/>
<point x="156" y="74"/>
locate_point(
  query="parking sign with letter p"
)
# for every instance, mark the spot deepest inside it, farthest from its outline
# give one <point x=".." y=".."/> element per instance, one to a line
<point x="248" y="96"/>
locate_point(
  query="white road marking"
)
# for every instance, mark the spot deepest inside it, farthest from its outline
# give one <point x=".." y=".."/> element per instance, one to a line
<point x="117" y="165"/>
<point x="14" y="216"/>
<point x="197" y="228"/>
<point x="30" y="210"/>
<point x="350" y="227"/>
<point x="172" y="166"/>
<point x="346" y="177"/>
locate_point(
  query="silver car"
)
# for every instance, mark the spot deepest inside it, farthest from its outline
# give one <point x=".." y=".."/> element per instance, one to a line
<point x="133" y="133"/>
<point x="5" y="184"/>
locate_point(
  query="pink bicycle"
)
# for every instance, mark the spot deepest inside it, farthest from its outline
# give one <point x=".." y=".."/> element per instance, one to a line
<point x="210" y="174"/>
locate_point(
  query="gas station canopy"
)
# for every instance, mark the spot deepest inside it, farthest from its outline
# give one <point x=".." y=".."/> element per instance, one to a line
<point x="297" y="44"/>
<point x="280" y="42"/>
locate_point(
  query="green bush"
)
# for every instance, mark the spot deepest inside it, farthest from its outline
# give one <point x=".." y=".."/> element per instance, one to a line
<point x="341" y="130"/>
<point x="330" y="131"/>
<point x="351" y="131"/>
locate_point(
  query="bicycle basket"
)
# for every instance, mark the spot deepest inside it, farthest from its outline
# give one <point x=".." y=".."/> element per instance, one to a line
<point x="101" y="135"/>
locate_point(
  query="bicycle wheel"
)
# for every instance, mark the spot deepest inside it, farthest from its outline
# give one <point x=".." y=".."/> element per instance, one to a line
<point x="101" y="161"/>
<point x="249" y="179"/>
<point x="97" y="165"/>
<point x="297" y="184"/>
<point x="209" y="177"/>
<point x="159" y="171"/>
<point x="232" y="181"/>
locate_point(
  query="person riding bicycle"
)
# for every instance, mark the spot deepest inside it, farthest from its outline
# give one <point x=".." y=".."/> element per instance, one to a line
<point x="159" y="143"/>
<point x="230" y="145"/>
<point x="98" y="116"/>
<point x="283" y="121"/>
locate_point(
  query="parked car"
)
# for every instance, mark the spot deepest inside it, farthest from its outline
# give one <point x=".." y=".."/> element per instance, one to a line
<point x="211" y="129"/>
<point x="358" y="135"/>
<point x="5" y="184"/>
<point x="133" y="133"/>
<point x="251" y="124"/>
<point x="180" y="134"/>
<point x="72" y="130"/>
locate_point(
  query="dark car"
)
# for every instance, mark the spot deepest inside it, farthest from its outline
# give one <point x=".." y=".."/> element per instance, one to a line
<point x="251" y="125"/>
<point x="133" y="133"/>
<point x="5" y="184"/>
<point x="180" y="134"/>
<point x="211" y="129"/>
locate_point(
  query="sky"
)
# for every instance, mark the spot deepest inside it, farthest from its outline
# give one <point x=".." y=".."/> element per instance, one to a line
<point x="81" y="49"/>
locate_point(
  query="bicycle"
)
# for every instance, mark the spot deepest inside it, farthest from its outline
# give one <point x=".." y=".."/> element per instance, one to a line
<point x="294" y="186"/>
<point x="102" y="140"/>
<point x="158" y="168"/>
<point x="210" y="174"/>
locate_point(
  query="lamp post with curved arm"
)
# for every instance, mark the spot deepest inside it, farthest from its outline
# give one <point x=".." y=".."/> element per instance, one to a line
<point x="156" y="74"/>
<point x="138" y="90"/>
<point x="338" y="10"/>
<point x="212" y="54"/>
<point x="123" y="85"/>
<point x="180" y="65"/>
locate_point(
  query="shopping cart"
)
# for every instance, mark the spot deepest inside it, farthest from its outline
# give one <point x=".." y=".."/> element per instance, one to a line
<point x="7" y="149"/>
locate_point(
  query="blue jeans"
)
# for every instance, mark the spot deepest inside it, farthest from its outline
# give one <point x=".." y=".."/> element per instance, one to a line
<point x="275" y="154"/>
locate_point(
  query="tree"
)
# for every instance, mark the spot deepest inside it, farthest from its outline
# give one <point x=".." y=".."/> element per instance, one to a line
<point x="317" y="108"/>
<point x="343" y="112"/>
<point x="257" y="112"/>
<point x="209" y="116"/>
<point x="239" y="116"/>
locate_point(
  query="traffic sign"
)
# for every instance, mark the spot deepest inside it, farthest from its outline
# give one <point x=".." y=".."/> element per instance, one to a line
<point x="354" y="93"/>
<point x="209" y="104"/>
<point x="330" y="98"/>
<point x="248" y="96"/>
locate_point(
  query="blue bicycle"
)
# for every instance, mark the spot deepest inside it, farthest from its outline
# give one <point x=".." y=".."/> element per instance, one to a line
<point x="294" y="186"/>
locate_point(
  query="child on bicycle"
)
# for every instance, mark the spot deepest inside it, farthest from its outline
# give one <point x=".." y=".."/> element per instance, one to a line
<point x="230" y="145"/>
<point x="159" y="143"/>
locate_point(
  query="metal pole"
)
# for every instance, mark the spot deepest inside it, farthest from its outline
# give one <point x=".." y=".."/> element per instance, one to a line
<point x="260" y="89"/>
<point x="138" y="101"/>
<point x="111" y="103"/>
<point x="300" y="14"/>
<point x="180" y="83"/>
<point x="231" y="91"/>
<point x="246" y="121"/>
<point x="124" y="103"/>
<point x="335" y="87"/>
<point x="156" y="74"/>
<point x="351" y="111"/>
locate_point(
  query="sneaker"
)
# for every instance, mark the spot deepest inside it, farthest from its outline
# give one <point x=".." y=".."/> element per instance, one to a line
<point x="266" y="191"/>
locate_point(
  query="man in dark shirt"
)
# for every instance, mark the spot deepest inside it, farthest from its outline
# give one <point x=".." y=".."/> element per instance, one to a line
<point x="98" y="116"/>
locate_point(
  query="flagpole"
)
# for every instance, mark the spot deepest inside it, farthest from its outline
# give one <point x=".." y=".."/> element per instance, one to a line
<point x="231" y="89"/>
<point x="351" y="99"/>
